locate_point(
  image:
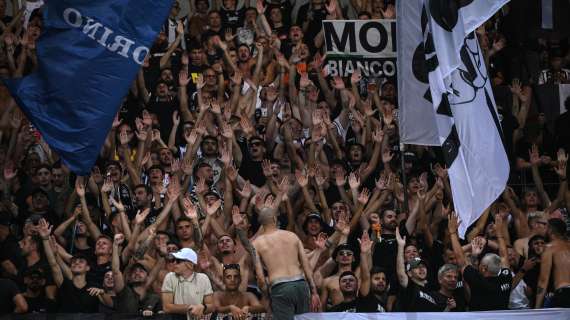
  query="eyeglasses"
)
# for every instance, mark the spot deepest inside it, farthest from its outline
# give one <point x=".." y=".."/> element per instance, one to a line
<point x="231" y="266"/>
<point x="345" y="253"/>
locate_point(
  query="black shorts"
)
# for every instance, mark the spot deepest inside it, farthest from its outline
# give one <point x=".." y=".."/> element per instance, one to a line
<point x="561" y="298"/>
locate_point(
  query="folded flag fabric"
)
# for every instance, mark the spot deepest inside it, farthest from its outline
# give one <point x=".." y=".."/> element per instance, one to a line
<point x="88" y="55"/>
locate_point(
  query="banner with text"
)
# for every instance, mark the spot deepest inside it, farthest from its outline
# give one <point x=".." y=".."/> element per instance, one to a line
<point x="542" y="314"/>
<point x="368" y="45"/>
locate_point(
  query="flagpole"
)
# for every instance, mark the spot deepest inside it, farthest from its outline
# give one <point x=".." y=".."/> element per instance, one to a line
<point x="404" y="178"/>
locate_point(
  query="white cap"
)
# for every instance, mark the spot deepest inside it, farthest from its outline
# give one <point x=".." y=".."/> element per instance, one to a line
<point x="186" y="254"/>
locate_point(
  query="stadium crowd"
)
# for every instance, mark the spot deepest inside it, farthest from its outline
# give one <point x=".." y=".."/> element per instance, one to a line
<point x="239" y="177"/>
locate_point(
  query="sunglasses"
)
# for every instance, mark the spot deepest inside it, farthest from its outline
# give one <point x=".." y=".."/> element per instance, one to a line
<point x="231" y="266"/>
<point x="345" y="253"/>
<point x="174" y="260"/>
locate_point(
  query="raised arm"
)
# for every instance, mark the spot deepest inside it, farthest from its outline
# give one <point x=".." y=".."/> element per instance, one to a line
<point x="544" y="277"/>
<point x="400" y="267"/>
<point x="94" y="231"/>
<point x="44" y="230"/>
<point x="116" y="263"/>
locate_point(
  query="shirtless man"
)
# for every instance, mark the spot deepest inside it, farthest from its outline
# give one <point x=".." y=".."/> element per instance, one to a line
<point x="537" y="224"/>
<point x="555" y="260"/>
<point x="286" y="263"/>
<point x="344" y="257"/>
<point x="232" y="300"/>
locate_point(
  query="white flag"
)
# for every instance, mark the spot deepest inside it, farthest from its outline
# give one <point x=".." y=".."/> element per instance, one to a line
<point x="466" y="118"/>
<point x="415" y="115"/>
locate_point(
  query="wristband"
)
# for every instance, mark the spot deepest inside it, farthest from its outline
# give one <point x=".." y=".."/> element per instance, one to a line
<point x="205" y="308"/>
<point x="563" y="179"/>
<point x="45" y="238"/>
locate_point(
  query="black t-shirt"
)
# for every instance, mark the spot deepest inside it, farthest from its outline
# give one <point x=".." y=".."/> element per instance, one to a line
<point x="415" y="298"/>
<point x="360" y="304"/>
<point x="458" y="296"/>
<point x="491" y="293"/>
<point x="74" y="300"/>
<point x="8" y="290"/>
<point x="40" y="304"/>
<point x="97" y="273"/>
<point x="371" y="303"/>
<point x="10" y="250"/>
<point x="385" y="253"/>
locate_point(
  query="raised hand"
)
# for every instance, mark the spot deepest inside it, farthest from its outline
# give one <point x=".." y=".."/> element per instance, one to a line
<point x="201" y="187"/>
<point x="44" y="228"/>
<point x="246" y="191"/>
<point x="401" y="240"/>
<point x="452" y="223"/>
<point x="302" y="179"/>
<point x="365" y="243"/>
<point x="183" y="78"/>
<point x="477" y="245"/>
<point x="266" y="166"/>
<point x="117" y="204"/>
<point x="211" y="208"/>
<point x="10" y="171"/>
<point x="364" y="196"/>
<point x="140" y="217"/>
<point x="190" y="209"/>
<point x="534" y="155"/>
<point x="79" y="186"/>
<point x="118" y="239"/>
<point x="353" y="181"/>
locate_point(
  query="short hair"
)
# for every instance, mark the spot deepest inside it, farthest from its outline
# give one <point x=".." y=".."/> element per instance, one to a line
<point x="182" y="219"/>
<point x="347" y="273"/>
<point x="377" y="269"/>
<point x="493" y="263"/>
<point x="557" y="227"/>
<point x="446" y="268"/>
<point x="43" y="166"/>
<point x="266" y="216"/>
<point x="104" y="236"/>
<point x="147" y="188"/>
<point x="156" y="166"/>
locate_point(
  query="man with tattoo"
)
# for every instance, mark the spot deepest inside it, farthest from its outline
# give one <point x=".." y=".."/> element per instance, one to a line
<point x="283" y="255"/>
<point x="555" y="260"/>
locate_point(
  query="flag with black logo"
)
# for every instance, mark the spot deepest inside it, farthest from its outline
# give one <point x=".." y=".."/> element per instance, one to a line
<point x="469" y="130"/>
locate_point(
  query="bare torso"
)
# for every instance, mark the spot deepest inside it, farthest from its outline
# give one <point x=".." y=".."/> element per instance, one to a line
<point x="560" y="263"/>
<point x="279" y="252"/>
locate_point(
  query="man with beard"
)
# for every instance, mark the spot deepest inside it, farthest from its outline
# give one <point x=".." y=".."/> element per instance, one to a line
<point x="385" y="251"/>
<point x="143" y="201"/>
<point x="413" y="280"/>
<point x="134" y="296"/>
<point x="253" y="154"/>
<point x="555" y="260"/>
<point x="233" y="301"/>
<point x="61" y="189"/>
<point x="163" y="104"/>
<point x="30" y="249"/>
<point x="210" y="152"/>
<point x="74" y="294"/>
<point x="35" y="294"/>
<point x="374" y="290"/>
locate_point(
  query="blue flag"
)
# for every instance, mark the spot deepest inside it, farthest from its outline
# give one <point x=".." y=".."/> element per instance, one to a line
<point x="88" y="55"/>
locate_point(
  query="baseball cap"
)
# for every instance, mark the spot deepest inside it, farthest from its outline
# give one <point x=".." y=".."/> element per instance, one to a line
<point x="186" y="254"/>
<point x="416" y="262"/>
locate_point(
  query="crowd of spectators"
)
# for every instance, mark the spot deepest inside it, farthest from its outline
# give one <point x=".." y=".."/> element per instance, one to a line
<point x="240" y="178"/>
